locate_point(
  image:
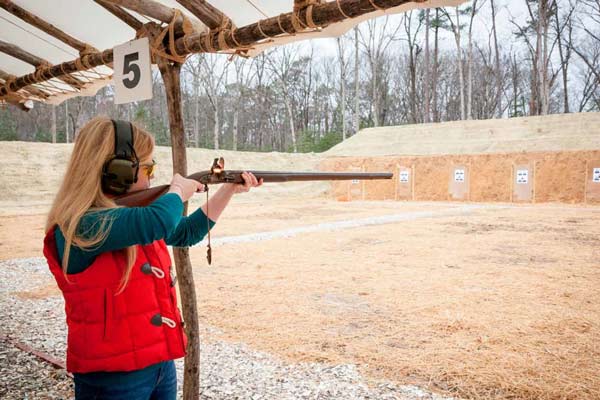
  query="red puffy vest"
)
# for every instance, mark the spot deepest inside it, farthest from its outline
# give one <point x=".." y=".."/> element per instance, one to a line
<point x="120" y="332"/>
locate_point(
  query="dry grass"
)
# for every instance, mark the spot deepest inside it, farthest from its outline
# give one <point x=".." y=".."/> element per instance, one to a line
<point x="498" y="304"/>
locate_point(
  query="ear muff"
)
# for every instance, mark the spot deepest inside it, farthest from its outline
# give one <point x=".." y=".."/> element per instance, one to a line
<point x="120" y="172"/>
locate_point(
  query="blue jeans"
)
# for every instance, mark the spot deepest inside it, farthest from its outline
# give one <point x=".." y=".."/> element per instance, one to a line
<point x="156" y="382"/>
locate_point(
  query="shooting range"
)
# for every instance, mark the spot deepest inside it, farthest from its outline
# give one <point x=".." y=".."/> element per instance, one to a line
<point x="472" y="273"/>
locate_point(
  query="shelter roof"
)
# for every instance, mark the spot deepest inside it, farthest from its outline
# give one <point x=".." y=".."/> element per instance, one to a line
<point x="78" y="35"/>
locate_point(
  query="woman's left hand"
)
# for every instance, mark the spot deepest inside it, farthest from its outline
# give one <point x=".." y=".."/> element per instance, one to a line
<point x="250" y="181"/>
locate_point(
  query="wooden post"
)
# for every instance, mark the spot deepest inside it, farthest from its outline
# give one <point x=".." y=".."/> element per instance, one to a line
<point x="396" y="182"/>
<point x="512" y="182"/>
<point x="534" y="180"/>
<point x="412" y="180"/>
<point x="191" y="376"/>
<point x="585" y="183"/>
<point x="468" y="173"/>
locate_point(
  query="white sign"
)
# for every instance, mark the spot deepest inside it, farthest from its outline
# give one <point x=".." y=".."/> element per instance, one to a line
<point x="522" y="176"/>
<point x="355" y="181"/>
<point x="132" y="75"/>
<point x="459" y="175"/>
<point x="404" y="176"/>
<point x="596" y="175"/>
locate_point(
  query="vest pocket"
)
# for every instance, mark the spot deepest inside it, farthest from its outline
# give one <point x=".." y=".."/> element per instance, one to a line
<point x="108" y="305"/>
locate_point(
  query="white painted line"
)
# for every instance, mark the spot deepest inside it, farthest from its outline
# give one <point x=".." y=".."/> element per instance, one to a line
<point x="352" y="223"/>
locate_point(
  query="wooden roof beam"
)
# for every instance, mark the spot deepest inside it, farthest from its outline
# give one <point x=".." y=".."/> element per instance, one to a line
<point x="44" y="26"/>
<point x="300" y="4"/>
<point x="152" y="9"/>
<point x="121" y="14"/>
<point x="34" y="20"/>
<point x="15" y="100"/>
<point x="208" y="14"/>
<point x="20" y="54"/>
<point x="320" y="14"/>
<point x="5" y="76"/>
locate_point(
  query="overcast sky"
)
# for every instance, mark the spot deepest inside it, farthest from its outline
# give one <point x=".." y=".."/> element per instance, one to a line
<point x="482" y="27"/>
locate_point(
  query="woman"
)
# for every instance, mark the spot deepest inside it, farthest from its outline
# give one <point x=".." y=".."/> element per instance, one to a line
<point x="113" y="267"/>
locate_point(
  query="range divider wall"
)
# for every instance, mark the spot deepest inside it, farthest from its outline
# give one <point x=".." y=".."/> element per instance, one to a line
<point x="562" y="176"/>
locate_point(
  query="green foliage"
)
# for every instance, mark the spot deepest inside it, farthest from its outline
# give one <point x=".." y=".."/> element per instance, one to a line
<point x="8" y="126"/>
<point x="42" y="135"/>
<point x="152" y="124"/>
<point x="310" y="142"/>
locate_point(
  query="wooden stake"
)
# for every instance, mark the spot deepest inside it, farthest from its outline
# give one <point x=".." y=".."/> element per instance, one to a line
<point x="191" y="377"/>
<point x="512" y="182"/>
<point x="396" y="182"/>
<point x="534" y="180"/>
<point x="412" y="182"/>
<point x="585" y="184"/>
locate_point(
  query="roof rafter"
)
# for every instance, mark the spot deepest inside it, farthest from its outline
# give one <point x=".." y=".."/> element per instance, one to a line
<point x="154" y="10"/>
<point x="310" y="16"/>
<point x="44" y="26"/>
<point x="20" y="54"/>
<point x="123" y="15"/>
<point x="5" y="76"/>
<point x="208" y="14"/>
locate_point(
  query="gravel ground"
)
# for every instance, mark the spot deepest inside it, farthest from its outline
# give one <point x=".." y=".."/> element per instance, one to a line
<point x="229" y="370"/>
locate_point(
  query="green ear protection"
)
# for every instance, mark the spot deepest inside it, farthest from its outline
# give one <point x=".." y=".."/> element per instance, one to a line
<point x="120" y="172"/>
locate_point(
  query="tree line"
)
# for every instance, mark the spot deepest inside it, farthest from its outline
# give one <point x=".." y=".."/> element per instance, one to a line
<point x="388" y="71"/>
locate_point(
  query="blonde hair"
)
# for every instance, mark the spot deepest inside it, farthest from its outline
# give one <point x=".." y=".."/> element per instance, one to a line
<point x="81" y="189"/>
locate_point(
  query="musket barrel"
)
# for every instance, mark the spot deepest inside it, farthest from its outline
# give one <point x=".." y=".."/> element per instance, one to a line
<point x="271" y="176"/>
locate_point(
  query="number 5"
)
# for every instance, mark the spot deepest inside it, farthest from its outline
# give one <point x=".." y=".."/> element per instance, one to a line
<point x="130" y="66"/>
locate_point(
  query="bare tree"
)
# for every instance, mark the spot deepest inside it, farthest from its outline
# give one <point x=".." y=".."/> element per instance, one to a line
<point x="427" y="88"/>
<point x="434" y="79"/>
<point x="192" y="67"/>
<point x="497" y="75"/>
<point x="375" y="44"/>
<point x="566" y="50"/>
<point x="413" y="53"/>
<point x="356" y="83"/>
<point x="473" y="10"/>
<point x="214" y="77"/>
<point x="456" y="28"/>
<point x="243" y="77"/>
<point x="343" y="71"/>
<point x="281" y="63"/>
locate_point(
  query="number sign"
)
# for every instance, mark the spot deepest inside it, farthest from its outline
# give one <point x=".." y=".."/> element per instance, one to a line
<point x="522" y="176"/>
<point x="404" y="176"/>
<point x="132" y="75"/>
<point x="459" y="175"/>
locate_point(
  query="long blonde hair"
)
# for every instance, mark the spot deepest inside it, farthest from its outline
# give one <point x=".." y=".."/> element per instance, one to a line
<point x="81" y="188"/>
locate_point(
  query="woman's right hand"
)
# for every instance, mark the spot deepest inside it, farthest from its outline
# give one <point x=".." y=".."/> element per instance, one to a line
<point x="184" y="187"/>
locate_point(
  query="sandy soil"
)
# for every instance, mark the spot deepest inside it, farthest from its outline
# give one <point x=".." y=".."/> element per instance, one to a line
<point x="491" y="301"/>
<point x="557" y="132"/>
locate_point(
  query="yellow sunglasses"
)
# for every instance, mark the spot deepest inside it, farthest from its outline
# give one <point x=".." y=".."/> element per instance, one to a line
<point x="149" y="168"/>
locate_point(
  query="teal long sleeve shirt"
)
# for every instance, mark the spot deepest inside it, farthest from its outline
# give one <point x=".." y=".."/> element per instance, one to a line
<point x="136" y="225"/>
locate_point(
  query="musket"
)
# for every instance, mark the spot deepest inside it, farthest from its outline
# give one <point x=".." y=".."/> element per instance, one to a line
<point x="217" y="175"/>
